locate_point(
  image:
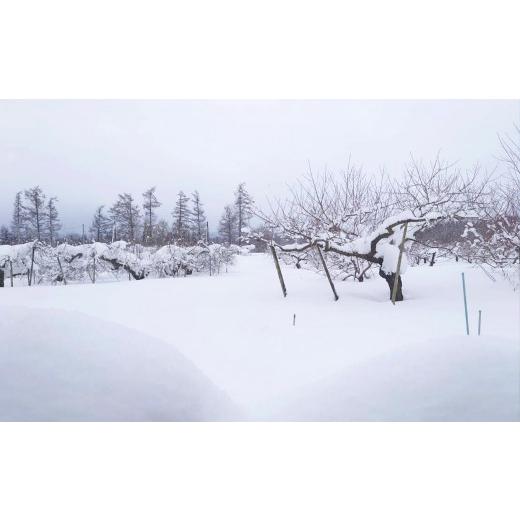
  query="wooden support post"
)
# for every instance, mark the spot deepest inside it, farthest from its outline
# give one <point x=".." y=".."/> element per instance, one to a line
<point x="11" y="271"/>
<point x="94" y="270"/>
<point x="279" y="271"/>
<point x="336" y="297"/>
<point x="32" y="266"/>
<point x="399" y="259"/>
<point x="61" y="271"/>
<point x="465" y="303"/>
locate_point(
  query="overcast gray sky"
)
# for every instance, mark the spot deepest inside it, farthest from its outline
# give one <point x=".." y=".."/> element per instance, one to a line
<point x="85" y="152"/>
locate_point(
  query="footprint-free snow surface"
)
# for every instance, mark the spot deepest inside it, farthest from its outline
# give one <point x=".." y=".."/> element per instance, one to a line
<point x="225" y="347"/>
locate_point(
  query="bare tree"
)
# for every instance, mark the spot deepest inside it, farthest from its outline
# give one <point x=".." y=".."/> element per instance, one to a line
<point x="181" y="219"/>
<point x="126" y="217"/>
<point x="34" y="209"/>
<point x="150" y="203"/>
<point x="198" y="217"/>
<point x="51" y="220"/>
<point x="244" y="205"/>
<point x="494" y="239"/>
<point x="5" y="236"/>
<point x="362" y="217"/>
<point x="101" y="225"/>
<point x="18" y="220"/>
<point x="227" y="225"/>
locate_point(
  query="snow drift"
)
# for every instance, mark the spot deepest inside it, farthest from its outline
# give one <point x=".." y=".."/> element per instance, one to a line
<point x="65" y="366"/>
<point x="450" y="379"/>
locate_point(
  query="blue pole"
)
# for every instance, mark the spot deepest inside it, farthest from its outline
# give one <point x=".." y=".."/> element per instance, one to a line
<point x="465" y="303"/>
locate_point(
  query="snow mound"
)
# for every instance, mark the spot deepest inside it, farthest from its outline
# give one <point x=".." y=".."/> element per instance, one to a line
<point x="454" y="379"/>
<point x="65" y="366"/>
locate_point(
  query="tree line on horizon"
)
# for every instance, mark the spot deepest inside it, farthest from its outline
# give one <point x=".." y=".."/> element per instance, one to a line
<point x="36" y="217"/>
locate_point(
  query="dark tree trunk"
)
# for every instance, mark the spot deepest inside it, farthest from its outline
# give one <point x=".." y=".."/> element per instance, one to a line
<point x="390" y="278"/>
<point x="1" y="277"/>
<point x="118" y="265"/>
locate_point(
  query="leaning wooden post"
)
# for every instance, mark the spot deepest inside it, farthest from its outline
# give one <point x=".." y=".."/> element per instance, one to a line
<point x="399" y="259"/>
<point x="278" y="270"/>
<point x="32" y="266"/>
<point x="465" y="303"/>
<point x="61" y="271"/>
<point x="336" y="297"/>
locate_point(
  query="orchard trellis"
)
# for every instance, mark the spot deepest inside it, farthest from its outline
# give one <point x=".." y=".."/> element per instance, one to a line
<point x="66" y="263"/>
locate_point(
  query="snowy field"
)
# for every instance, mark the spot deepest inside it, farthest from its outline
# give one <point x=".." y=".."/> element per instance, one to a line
<point x="225" y="348"/>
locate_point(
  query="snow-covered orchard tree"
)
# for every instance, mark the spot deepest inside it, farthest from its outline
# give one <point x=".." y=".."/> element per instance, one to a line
<point x="66" y="263"/>
<point x="362" y="218"/>
<point x="494" y="239"/>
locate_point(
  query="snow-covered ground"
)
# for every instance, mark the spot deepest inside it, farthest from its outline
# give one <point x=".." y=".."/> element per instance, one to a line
<point x="225" y="348"/>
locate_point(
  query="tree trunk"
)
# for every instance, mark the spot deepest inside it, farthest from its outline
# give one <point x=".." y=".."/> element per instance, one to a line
<point x="390" y="278"/>
<point x="1" y="277"/>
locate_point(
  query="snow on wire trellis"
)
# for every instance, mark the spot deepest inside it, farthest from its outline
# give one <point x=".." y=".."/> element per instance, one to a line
<point x="64" y="263"/>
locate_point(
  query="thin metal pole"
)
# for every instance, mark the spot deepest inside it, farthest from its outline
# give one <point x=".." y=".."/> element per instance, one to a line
<point x="465" y="303"/>
<point x="479" y="321"/>
<point x="399" y="259"/>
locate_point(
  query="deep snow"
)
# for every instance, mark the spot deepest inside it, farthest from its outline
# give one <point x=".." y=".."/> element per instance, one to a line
<point x="359" y="358"/>
<point x="62" y="365"/>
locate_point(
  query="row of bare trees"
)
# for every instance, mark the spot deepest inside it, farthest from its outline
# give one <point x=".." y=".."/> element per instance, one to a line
<point x="36" y="218"/>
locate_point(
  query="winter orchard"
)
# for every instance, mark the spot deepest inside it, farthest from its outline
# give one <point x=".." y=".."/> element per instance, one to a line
<point x="350" y="226"/>
<point x="129" y="239"/>
<point x="182" y="343"/>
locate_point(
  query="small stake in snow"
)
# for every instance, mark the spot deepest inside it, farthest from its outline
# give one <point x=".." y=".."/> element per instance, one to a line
<point x="336" y="297"/>
<point x="399" y="259"/>
<point x="279" y="271"/>
<point x="465" y="303"/>
<point x="479" y="321"/>
<point x="294" y="320"/>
